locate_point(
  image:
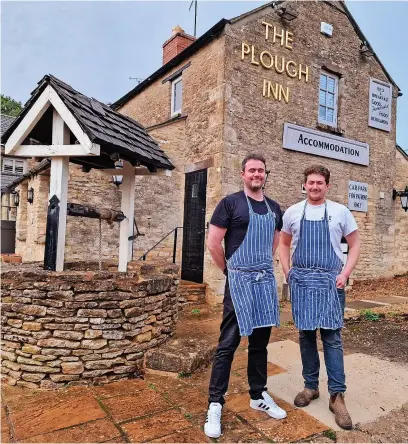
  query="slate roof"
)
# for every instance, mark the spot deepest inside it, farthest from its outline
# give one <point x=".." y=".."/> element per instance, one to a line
<point x="6" y="121"/>
<point x="114" y="132"/>
<point x="213" y="33"/>
<point x="12" y="181"/>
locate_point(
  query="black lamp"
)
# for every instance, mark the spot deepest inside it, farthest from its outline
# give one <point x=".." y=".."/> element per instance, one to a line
<point x="16" y="198"/>
<point x="286" y="13"/>
<point x="118" y="179"/>
<point x="365" y="50"/>
<point x="404" y="197"/>
<point x="30" y="195"/>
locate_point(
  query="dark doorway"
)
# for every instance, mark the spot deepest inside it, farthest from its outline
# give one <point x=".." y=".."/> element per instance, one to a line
<point x="8" y="236"/>
<point x="194" y="226"/>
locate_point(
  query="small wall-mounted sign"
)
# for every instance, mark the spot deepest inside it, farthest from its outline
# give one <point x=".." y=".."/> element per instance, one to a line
<point x="379" y="108"/>
<point x="326" y="29"/>
<point x="303" y="189"/>
<point x="358" y="196"/>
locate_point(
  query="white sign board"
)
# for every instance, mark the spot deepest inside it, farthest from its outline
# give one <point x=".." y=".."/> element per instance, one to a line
<point x="379" y="107"/>
<point x="310" y="141"/>
<point x="358" y="196"/>
<point x="326" y="28"/>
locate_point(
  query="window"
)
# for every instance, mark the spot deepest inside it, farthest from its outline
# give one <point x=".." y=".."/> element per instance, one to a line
<point x="328" y="93"/>
<point x="176" y="96"/>
<point x="13" y="166"/>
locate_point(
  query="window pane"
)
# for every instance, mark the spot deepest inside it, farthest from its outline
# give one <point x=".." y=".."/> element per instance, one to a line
<point x="19" y="166"/>
<point x="322" y="97"/>
<point x="323" y="81"/>
<point x="330" y="84"/>
<point x="330" y="115"/>
<point x="8" y="165"/>
<point x="177" y="96"/>
<point x="330" y="100"/>
<point x="322" y="112"/>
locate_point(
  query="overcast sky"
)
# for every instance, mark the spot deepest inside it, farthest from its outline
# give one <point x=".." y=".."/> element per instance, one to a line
<point x="96" y="46"/>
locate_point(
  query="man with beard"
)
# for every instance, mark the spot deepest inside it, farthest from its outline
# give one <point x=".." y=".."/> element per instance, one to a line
<point x="249" y="223"/>
<point x="317" y="279"/>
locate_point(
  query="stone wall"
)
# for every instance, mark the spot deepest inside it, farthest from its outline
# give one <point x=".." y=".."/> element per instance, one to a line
<point x="401" y="217"/>
<point x="255" y="123"/>
<point x="83" y="327"/>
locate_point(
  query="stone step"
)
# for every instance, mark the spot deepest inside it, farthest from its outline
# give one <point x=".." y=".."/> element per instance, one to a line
<point x="182" y="356"/>
<point x="191" y="292"/>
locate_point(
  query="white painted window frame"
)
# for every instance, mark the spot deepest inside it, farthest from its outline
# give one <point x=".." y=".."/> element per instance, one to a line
<point x="336" y="98"/>
<point x="174" y="112"/>
<point x="10" y="159"/>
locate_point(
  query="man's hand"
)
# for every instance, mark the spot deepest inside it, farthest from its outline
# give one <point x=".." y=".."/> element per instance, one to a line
<point x="341" y="280"/>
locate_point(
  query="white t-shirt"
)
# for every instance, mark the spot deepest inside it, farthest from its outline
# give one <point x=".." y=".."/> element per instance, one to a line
<point x="341" y="222"/>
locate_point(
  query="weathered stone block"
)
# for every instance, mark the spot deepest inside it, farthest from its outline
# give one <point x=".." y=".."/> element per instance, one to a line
<point x="61" y="295"/>
<point x="72" y="368"/>
<point x="92" y="313"/>
<point x="35" y="310"/>
<point x="15" y="322"/>
<point x="32" y="326"/>
<point x="33" y="377"/>
<point x="93" y="344"/>
<point x="58" y="343"/>
<point x="102" y="364"/>
<point x="68" y="334"/>
<point x="11" y="365"/>
<point x="39" y="368"/>
<point x="8" y="355"/>
<point x="64" y="378"/>
<point x="55" y="351"/>
<point x="113" y="334"/>
<point x="144" y="337"/>
<point x="92" y="334"/>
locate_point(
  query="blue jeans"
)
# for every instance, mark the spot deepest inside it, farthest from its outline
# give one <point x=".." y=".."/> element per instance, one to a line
<point x="333" y="356"/>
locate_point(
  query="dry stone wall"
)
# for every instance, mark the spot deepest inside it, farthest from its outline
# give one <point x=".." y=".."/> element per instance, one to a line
<point x="83" y="327"/>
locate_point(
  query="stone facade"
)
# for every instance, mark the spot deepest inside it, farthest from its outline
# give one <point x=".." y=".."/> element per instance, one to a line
<point x="226" y="113"/>
<point x="83" y="327"/>
<point x="227" y="116"/>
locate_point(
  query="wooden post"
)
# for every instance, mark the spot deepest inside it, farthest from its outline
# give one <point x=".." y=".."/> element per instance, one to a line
<point x="128" y="208"/>
<point x="59" y="183"/>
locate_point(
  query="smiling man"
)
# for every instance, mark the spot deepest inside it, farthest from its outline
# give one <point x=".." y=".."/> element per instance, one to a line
<point x="314" y="228"/>
<point x="249" y="223"/>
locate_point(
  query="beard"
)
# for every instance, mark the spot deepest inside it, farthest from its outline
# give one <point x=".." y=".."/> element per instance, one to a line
<point x="255" y="187"/>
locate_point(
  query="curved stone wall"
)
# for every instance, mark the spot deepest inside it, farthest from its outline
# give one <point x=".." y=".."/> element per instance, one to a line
<point x="83" y="327"/>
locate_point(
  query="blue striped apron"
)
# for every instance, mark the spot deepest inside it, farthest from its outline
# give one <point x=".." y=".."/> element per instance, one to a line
<point x="312" y="278"/>
<point x="250" y="275"/>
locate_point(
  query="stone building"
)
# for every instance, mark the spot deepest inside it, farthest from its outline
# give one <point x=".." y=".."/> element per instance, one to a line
<point x="299" y="84"/>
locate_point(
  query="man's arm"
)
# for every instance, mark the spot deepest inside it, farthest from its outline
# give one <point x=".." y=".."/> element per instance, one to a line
<point x="284" y="252"/>
<point x="215" y="237"/>
<point x="275" y="242"/>
<point x="353" y="241"/>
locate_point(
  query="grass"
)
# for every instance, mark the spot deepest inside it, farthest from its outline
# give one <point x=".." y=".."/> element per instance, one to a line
<point x="182" y="375"/>
<point x="153" y="387"/>
<point x="195" y="311"/>
<point x="369" y="315"/>
<point x="188" y="415"/>
<point x="331" y="434"/>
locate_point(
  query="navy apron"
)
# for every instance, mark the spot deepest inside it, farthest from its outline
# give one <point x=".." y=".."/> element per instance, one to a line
<point x="250" y="275"/>
<point x="312" y="278"/>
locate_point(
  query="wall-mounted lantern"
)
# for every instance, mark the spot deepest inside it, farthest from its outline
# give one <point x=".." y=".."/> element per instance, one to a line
<point x="404" y="197"/>
<point x="365" y="50"/>
<point x="30" y="195"/>
<point x="286" y="13"/>
<point x="118" y="179"/>
<point x="16" y="198"/>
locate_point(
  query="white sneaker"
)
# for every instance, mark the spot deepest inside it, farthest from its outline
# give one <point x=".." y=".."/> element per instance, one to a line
<point x="212" y="426"/>
<point x="269" y="406"/>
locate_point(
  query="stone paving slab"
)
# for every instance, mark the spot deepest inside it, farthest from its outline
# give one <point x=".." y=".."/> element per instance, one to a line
<point x="375" y="386"/>
<point x="360" y="305"/>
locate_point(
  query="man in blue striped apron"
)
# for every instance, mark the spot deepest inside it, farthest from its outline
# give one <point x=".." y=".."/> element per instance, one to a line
<point x="317" y="279"/>
<point x="249" y="223"/>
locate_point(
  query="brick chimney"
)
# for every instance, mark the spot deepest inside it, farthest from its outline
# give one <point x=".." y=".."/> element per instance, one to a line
<point x="176" y="43"/>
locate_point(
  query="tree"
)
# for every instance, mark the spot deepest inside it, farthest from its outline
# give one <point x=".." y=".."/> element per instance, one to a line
<point x="10" y="106"/>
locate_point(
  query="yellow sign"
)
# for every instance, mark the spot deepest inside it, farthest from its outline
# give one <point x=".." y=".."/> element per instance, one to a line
<point x="271" y="61"/>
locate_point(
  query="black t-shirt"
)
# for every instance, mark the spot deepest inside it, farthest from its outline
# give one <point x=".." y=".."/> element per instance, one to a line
<point x="233" y="213"/>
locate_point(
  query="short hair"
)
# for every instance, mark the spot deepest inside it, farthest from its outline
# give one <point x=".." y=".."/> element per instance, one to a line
<point x="253" y="156"/>
<point x="317" y="169"/>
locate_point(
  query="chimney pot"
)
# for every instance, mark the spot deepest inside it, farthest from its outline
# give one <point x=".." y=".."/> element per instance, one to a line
<point x="178" y="41"/>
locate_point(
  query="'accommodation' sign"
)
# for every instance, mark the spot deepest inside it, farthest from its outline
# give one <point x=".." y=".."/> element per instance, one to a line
<point x="298" y="138"/>
<point x="278" y="63"/>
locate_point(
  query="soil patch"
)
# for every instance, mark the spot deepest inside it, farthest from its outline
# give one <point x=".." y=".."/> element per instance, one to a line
<point x="386" y="337"/>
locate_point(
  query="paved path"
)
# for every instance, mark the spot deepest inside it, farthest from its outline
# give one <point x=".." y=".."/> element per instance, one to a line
<point x="375" y="386"/>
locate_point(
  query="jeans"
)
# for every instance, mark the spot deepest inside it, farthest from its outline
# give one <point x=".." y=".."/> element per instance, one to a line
<point x="333" y="356"/>
<point x="227" y="344"/>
